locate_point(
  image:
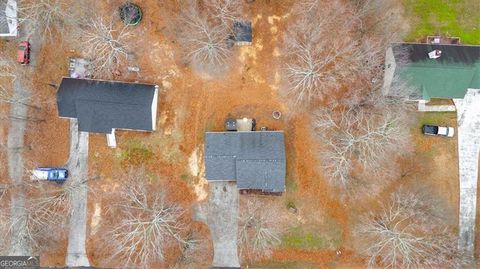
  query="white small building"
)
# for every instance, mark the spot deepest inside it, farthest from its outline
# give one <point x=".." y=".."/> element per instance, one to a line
<point x="8" y="18"/>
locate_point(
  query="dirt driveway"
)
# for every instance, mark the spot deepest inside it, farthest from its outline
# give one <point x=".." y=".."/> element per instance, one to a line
<point x="468" y="115"/>
<point x="15" y="145"/>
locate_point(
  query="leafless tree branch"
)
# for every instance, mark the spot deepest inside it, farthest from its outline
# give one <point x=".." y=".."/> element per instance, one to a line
<point x="408" y="234"/>
<point x="321" y="55"/>
<point x="259" y="230"/>
<point x="367" y="131"/>
<point x="104" y="45"/>
<point x="149" y="223"/>
<point x="47" y="16"/>
<point x="204" y="40"/>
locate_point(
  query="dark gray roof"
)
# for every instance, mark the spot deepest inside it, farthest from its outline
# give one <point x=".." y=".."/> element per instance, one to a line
<point x="417" y="52"/>
<point x="242" y="31"/>
<point x="102" y="105"/>
<point x="256" y="160"/>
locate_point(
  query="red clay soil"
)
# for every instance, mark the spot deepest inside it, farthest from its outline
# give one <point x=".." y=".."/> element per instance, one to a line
<point x="190" y="105"/>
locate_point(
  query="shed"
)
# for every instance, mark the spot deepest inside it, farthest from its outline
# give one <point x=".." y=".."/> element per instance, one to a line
<point x="242" y="31"/>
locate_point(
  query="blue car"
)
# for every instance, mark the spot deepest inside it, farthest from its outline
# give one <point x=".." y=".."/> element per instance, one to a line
<point x="50" y="174"/>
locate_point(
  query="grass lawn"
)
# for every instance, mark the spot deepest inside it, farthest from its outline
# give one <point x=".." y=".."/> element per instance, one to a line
<point x="429" y="145"/>
<point x="286" y="265"/>
<point x="329" y="237"/>
<point x="459" y="18"/>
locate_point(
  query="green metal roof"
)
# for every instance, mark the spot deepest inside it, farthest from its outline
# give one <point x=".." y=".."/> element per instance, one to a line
<point x="440" y="80"/>
<point x="447" y="77"/>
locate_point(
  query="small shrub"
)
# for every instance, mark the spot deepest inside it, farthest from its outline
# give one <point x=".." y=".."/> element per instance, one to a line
<point x="135" y="154"/>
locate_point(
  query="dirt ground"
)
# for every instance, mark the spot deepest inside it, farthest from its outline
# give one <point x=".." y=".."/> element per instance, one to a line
<point x="190" y="105"/>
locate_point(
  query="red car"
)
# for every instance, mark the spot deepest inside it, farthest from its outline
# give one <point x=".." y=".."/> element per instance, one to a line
<point x="23" y="52"/>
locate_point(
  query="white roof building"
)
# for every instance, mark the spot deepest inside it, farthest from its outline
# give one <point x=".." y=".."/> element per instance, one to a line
<point x="8" y="18"/>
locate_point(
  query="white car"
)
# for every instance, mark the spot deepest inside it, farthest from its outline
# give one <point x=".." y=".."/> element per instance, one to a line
<point x="50" y="174"/>
<point x="438" y="130"/>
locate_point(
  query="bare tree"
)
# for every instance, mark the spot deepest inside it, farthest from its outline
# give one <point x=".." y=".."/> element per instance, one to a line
<point x="149" y="223"/>
<point x="367" y="131"/>
<point x="7" y="97"/>
<point x="195" y="252"/>
<point x="225" y="11"/>
<point x="46" y="209"/>
<point x="4" y="221"/>
<point x="306" y="7"/>
<point x="259" y="228"/>
<point x="321" y="55"/>
<point x="381" y="18"/>
<point x="8" y="68"/>
<point x="204" y="41"/>
<point x="47" y="16"/>
<point x="409" y="233"/>
<point x="106" y="46"/>
<point x="20" y="118"/>
<point x="358" y="137"/>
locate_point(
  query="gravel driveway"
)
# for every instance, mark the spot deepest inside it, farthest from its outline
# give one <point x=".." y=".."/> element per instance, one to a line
<point x="221" y="216"/>
<point x="78" y="167"/>
<point x="468" y="116"/>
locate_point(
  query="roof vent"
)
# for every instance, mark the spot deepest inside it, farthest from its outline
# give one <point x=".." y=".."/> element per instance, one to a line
<point x="434" y="54"/>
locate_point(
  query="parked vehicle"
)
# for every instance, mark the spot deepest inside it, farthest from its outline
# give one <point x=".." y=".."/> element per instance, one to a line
<point x="50" y="174"/>
<point x="438" y="130"/>
<point x="23" y="52"/>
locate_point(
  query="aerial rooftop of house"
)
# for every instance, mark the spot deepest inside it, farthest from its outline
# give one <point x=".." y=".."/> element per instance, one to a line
<point x="437" y="71"/>
<point x="8" y="18"/>
<point x="255" y="160"/>
<point x="101" y="106"/>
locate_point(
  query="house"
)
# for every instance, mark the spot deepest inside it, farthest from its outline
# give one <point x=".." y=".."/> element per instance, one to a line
<point x="438" y="71"/>
<point x="255" y="160"/>
<point x="8" y="18"/>
<point x="242" y="31"/>
<point x="102" y="106"/>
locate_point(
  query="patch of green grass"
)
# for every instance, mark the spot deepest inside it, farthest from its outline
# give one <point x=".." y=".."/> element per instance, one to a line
<point x="460" y="18"/>
<point x="135" y="154"/>
<point x="284" y="265"/>
<point x="440" y="118"/>
<point x="298" y="238"/>
<point x="435" y="118"/>
<point x="208" y="127"/>
<point x="185" y="177"/>
<point x="291" y="205"/>
<point x="290" y="184"/>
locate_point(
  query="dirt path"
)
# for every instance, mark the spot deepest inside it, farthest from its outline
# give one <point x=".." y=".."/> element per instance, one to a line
<point x="468" y="152"/>
<point x="78" y="168"/>
<point x="15" y="145"/>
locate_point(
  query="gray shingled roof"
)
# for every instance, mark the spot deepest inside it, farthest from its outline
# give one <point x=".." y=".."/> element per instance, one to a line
<point x="256" y="160"/>
<point x="101" y="105"/>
